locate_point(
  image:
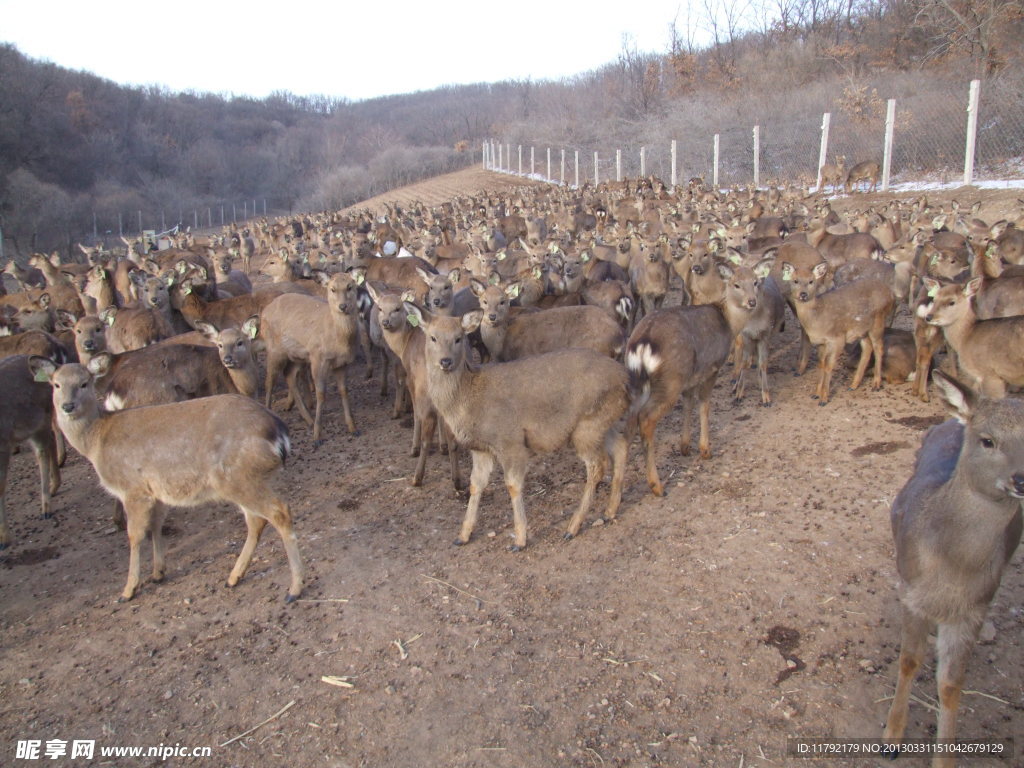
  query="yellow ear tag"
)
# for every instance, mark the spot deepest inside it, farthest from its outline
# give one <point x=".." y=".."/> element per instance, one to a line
<point x="413" y="320"/>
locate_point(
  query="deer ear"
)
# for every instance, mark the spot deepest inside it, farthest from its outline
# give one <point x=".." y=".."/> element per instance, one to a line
<point x="958" y="398"/>
<point x="42" y="368"/>
<point x="471" y="320"/>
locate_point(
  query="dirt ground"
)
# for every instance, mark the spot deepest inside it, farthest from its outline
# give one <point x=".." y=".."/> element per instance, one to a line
<point x="755" y="602"/>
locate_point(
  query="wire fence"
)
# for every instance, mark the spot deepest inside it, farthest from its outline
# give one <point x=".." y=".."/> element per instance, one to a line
<point x="915" y="136"/>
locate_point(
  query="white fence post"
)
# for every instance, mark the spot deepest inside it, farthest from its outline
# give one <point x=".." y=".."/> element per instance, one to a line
<point x="508" y="155"/>
<point x="520" y="159"/>
<point x="561" y="174"/>
<point x="596" y="178"/>
<point x="715" y="174"/>
<point x="577" y="169"/>
<point x="643" y="162"/>
<point x="675" y="178"/>
<point x="483" y="154"/>
<point x="618" y="165"/>
<point x="826" y="122"/>
<point x="890" y="122"/>
<point x="972" y="131"/>
<point x="549" y="164"/>
<point x="501" y="150"/>
<point x="532" y="167"/>
<point x="757" y="156"/>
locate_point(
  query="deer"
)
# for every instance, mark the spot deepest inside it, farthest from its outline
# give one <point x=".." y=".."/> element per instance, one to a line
<point x="990" y="353"/>
<point x="834" y="173"/>
<point x="302" y="329"/>
<point x="407" y="344"/>
<point x="868" y="170"/>
<point x="756" y="288"/>
<point x="511" y="335"/>
<point x="507" y="411"/>
<point x="956" y="524"/>
<point x="678" y="352"/>
<point x="857" y="311"/>
<point x="26" y="413"/>
<point x="649" y="275"/>
<point x="221" y="448"/>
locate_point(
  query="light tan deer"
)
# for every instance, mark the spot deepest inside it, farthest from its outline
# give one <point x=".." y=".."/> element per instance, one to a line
<point x="302" y="329"/>
<point x="507" y="411"/>
<point x="990" y="353"/>
<point x="834" y="173"/>
<point x="956" y="524"/>
<point x="26" y="413"/>
<point x="150" y="458"/>
<point x="857" y="311"/>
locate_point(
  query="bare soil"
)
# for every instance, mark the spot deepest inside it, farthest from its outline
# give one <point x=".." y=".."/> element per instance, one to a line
<point x="755" y="602"/>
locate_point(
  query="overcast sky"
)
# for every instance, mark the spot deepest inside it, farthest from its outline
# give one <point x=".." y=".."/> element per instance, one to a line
<point x="355" y="50"/>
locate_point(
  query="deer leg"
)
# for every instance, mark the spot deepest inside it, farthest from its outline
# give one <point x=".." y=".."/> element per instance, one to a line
<point x="762" y="371"/>
<point x="427" y="424"/>
<point x="453" y="455"/>
<point x="254" y="525"/>
<point x="705" y="420"/>
<point x="483" y="465"/>
<point x="686" y="434"/>
<point x="955" y="643"/>
<point x="617" y="446"/>
<point x="912" y="646"/>
<point x="295" y="393"/>
<point x="138" y="512"/>
<point x="156" y="533"/>
<point x="345" y="407"/>
<point x="515" y="476"/>
<point x="866" y="349"/>
<point x="319" y="385"/>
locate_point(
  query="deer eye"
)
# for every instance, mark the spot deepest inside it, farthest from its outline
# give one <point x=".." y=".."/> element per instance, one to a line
<point x="987" y="442"/>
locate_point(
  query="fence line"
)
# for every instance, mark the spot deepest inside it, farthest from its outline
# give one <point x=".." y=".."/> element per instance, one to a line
<point x="923" y="140"/>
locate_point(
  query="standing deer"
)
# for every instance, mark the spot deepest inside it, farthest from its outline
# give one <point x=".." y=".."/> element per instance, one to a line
<point x="834" y="172"/>
<point x="869" y="171"/>
<point x="506" y="412"/>
<point x="956" y="523"/>
<point x="222" y="448"/>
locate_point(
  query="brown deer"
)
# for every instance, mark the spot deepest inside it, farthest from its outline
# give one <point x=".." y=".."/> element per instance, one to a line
<point x="408" y="345"/>
<point x="989" y="352"/>
<point x="222" y="448"/>
<point x="507" y="411"/>
<point x="26" y="413"/>
<point x="956" y="524"/>
<point x="857" y="311"/>
<point x="868" y="170"/>
<point x="302" y="329"/>
<point x="834" y="173"/>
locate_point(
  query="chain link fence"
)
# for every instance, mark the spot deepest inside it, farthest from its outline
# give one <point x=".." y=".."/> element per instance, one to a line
<point x="929" y="137"/>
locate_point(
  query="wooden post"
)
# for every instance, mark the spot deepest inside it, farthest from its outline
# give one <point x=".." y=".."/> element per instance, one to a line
<point x="757" y="156"/>
<point x="714" y="176"/>
<point x="890" y="122"/>
<point x="826" y="121"/>
<point x="643" y="162"/>
<point x="618" y="165"/>
<point x="972" y="131"/>
<point x="675" y="175"/>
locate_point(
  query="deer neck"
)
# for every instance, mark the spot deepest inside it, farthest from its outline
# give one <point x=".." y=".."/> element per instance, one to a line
<point x="493" y="337"/>
<point x="959" y="331"/>
<point x="82" y="432"/>
<point x="245" y="379"/>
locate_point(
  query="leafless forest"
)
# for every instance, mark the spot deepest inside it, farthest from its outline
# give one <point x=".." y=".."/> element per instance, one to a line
<point x="80" y="155"/>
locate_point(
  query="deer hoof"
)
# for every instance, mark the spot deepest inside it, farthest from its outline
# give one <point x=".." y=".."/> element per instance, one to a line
<point x="318" y="443"/>
<point x="568" y="536"/>
<point x="515" y="548"/>
<point x="459" y="543"/>
<point x="290" y="598"/>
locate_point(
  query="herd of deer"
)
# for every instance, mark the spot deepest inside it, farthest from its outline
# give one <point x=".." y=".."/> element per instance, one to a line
<point x="516" y="325"/>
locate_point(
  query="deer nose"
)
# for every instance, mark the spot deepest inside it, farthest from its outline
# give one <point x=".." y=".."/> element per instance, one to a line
<point x="89" y="345"/>
<point x="803" y="296"/>
<point x="1018" y="484"/>
<point x="752" y="303"/>
<point x="68" y="407"/>
<point x="492" y="317"/>
<point x="229" y="361"/>
<point x="447" y="364"/>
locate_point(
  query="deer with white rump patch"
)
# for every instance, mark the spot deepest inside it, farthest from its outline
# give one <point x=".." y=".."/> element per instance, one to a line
<point x="956" y="524"/>
<point x="147" y="460"/>
<point x="506" y="412"/>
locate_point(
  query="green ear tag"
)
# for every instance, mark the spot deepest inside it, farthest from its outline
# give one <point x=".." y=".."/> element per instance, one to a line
<point x="360" y="278"/>
<point x="413" y="320"/>
<point x="42" y="377"/>
<point x="933" y="291"/>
